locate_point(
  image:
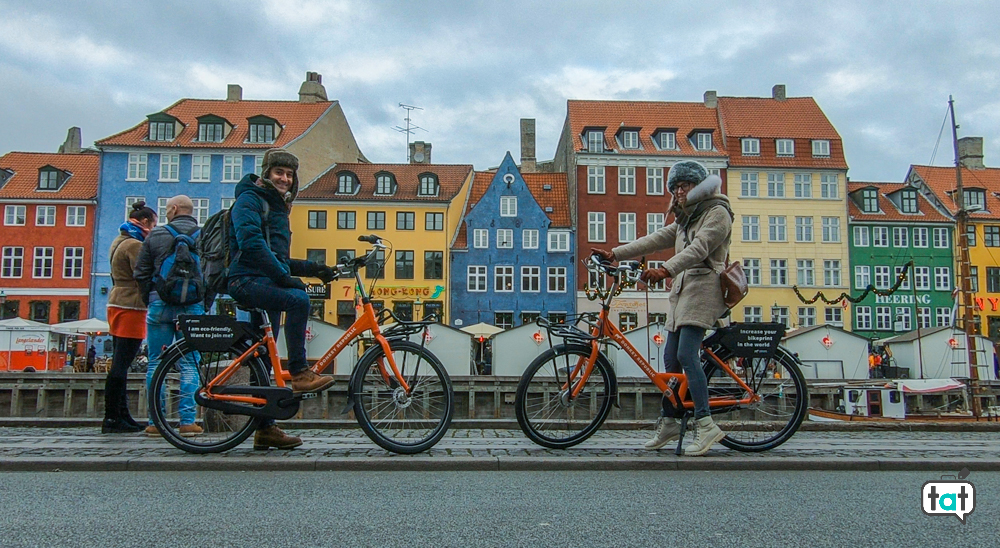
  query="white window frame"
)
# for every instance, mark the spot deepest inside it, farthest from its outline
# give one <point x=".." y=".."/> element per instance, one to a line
<point x="903" y="313"/>
<point x="779" y="272"/>
<point x="626" y="180"/>
<point x="626" y="227"/>
<point x="924" y="317"/>
<point x="821" y="148"/>
<point x="45" y="215"/>
<point x="596" y="231"/>
<point x="941" y="239"/>
<point x="201" y="209"/>
<point x="655" y="221"/>
<point x="784" y="147"/>
<point x="529" y="238"/>
<point x="44" y="260"/>
<point x="829" y="186"/>
<point x="595" y="180"/>
<point x="807" y="316"/>
<point x="920" y="237"/>
<point x="703" y="141"/>
<point x="12" y="213"/>
<point x="861" y="236"/>
<point x="777" y="228"/>
<point x="900" y="237"/>
<point x="201" y="172"/>
<point x="803" y="229"/>
<point x="508" y="206"/>
<point x="751" y="268"/>
<point x="161" y="207"/>
<point x="883" y="318"/>
<point x="232" y="168"/>
<point x="502" y="274"/>
<point x="883" y="277"/>
<point x="556" y="279"/>
<point x="805" y="272"/>
<point x="12" y="261"/>
<point x="942" y="278"/>
<point x="942" y="316"/>
<point x="73" y="263"/>
<point x="753" y="314"/>
<point x="661" y="285"/>
<point x="170" y="168"/>
<point x="129" y="200"/>
<point x="880" y="236"/>
<point x="749" y="185"/>
<point x="76" y="216"/>
<point x="227" y="203"/>
<point x="668" y="140"/>
<point x="862" y="276"/>
<point x="831" y="272"/>
<point x="775" y="185"/>
<point x="654" y="181"/>
<point x="803" y="185"/>
<point x="531" y="276"/>
<point x="831" y="230"/>
<point x="558" y="241"/>
<point x="834" y="315"/>
<point x="750" y="147"/>
<point x="258" y="164"/>
<point x="863" y="318"/>
<point x="922" y="278"/>
<point x="630" y="139"/>
<point x="481" y="238"/>
<point x="137" y="166"/>
<point x="476" y="279"/>
<point x="595" y="141"/>
<point x="505" y="238"/>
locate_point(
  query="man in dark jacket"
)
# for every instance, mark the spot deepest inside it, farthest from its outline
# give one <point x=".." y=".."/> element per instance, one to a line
<point x="262" y="275"/>
<point x="161" y="316"/>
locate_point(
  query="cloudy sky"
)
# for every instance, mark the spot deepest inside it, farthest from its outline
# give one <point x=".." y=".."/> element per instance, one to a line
<point x="882" y="74"/>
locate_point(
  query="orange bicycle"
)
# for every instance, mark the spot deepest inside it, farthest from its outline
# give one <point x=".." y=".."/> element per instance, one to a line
<point x="400" y="392"/>
<point x="757" y="392"/>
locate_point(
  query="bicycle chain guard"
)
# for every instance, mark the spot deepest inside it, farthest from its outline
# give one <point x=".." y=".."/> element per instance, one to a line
<point x="282" y="403"/>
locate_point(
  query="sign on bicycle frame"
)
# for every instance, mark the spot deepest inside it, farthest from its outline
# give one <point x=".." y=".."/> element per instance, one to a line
<point x="753" y="340"/>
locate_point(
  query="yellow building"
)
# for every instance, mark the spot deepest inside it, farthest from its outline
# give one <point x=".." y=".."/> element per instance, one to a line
<point x="414" y="208"/>
<point x="787" y="181"/>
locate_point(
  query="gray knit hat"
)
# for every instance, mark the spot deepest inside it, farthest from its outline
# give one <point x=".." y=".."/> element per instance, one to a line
<point x="279" y="157"/>
<point x="688" y="170"/>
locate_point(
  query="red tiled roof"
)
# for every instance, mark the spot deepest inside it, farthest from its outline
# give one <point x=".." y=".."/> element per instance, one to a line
<point x="942" y="182"/>
<point x="450" y="179"/>
<point x="81" y="185"/>
<point x="294" y="117"/>
<point x="647" y="117"/>
<point x="889" y="212"/>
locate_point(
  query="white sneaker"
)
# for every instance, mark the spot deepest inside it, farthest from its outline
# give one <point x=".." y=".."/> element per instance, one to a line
<point x="707" y="433"/>
<point x="667" y="430"/>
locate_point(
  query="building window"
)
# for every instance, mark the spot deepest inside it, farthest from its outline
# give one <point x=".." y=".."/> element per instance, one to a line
<point x="317" y="219"/>
<point x="656" y="318"/>
<point x="503" y="320"/>
<point x="751" y="147"/>
<point x="903" y="319"/>
<point x="170" y="166"/>
<point x="803" y="185"/>
<point x="626" y="227"/>
<point x="375" y="267"/>
<point x="433" y="265"/>
<point x="346" y="220"/>
<point x="161" y="208"/>
<point x="803" y="229"/>
<point x="595" y="179"/>
<point x="346" y="314"/>
<point x="908" y="201"/>
<point x="434" y="221"/>
<point x="776" y="229"/>
<point x="748" y="185"/>
<point x="626" y="180"/>
<point x="261" y="133"/>
<point x="779" y="314"/>
<point x="785" y="147"/>
<point x="129" y="201"/>
<point x="48" y="179"/>
<point x="654" y="181"/>
<point x="347" y="183"/>
<point x="385" y="184"/>
<point x="779" y="272"/>
<point x="970" y="235"/>
<point x="15" y="215"/>
<point x="76" y="216"/>
<point x="201" y="211"/>
<point x="73" y="262"/>
<point x="703" y="141"/>
<point x="201" y="167"/>
<point x="628" y="321"/>
<point x="232" y="168"/>
<point x="595" y="141"/>
<point x="316" y="255"/>
<point x="477" y="279"/>
<point x="376" y="220"/>
<point x="503" y="279"/>
<point x="630" y="139"/>
<point x="404" y="265"/>
<point x="595" y="226"/>
<point x="529" y="238"/>
<point x="862" y="276"/>
<point x="557" y="279"/>
<point x="922" y="278"/>
<point x="531" y="279"/>
<point x="831" y="229"/>
<point x="210" y="132"/>
<point x="821" y="148"/>
<point x="136" y="167"/>
<point x="831" y="273"/>
<point x="45" y="215"/>
<point x="805" y="273"/>
<point x="900" y="236"/>
<point x="428" y="185"/>
<point x="919" y="237"/>
<point x="974" y="279"/>
<point x="776" y="185"/>
<point x="505" y="238"/>
<point x="596" y="280"/>
<point x="991" y="236"/>
<point x="659" y="286"/>
<point x="654" y="222"/>
<point x="924" y="317"/>
<point x="13" y="262"/>
<point x="992" y="279"/>
<point x="258" y="164"/>
<point x="861" y="236"/>
<point x="558" y="242"/>
<point x="529" y="317"/>
<point x="39" y="311"/>
<point x="406" y="220"/>
<point x="481" y="238"/>
<point x="882" y="277"/>
<point x="942" y="317"/>
<point x="974" y="199"/>
<point x="403" y="310"/>
<point x="668" y="140"/>
<point x="880" y="236"/>
<point x="43" y="262"/>
<point x="508" y="206"/>
<point x="899" y="271"/>
<point x="807" y="316"/>
<point x="69" y="311"/>
<point x="829" y="185"/>
<point x="942" y="278"/>
<point x="869" y="200"/>
<point x="834" y="315"/>
<point x="883" y="318"/>
<point x="753" y="314"/>
<point x="751" y="268"/>
<point x="161" y="131"/>
<point x="863" y="317"/>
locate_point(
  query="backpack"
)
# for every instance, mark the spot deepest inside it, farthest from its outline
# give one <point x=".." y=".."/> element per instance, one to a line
<point x="215" y="253"/>
<point x="179" y="280"/>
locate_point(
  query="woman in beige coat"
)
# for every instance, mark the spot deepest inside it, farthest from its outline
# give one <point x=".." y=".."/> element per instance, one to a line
<point x="700" y="235"/>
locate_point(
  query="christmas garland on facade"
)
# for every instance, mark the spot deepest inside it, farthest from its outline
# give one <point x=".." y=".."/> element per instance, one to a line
<point x="596" y="293"/>
<point x="870" y="289"/>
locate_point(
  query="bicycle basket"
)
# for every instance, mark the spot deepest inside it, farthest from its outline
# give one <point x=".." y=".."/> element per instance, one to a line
<point x="210" y="333"/>
<point x="751" y="340"/>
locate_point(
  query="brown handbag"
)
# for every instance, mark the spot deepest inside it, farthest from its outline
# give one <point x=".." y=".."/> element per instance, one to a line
<point x="733" y="282"/>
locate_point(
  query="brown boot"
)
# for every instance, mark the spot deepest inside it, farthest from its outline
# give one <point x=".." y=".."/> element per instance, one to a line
<point x="272" y="436"/>
<point x="309" y="381"/>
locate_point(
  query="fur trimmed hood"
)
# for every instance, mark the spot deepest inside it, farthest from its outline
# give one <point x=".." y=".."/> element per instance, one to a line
<point x="705" y="189"/>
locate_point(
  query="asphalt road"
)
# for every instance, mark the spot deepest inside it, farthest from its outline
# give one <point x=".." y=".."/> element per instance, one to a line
<point x="486" y="509"/>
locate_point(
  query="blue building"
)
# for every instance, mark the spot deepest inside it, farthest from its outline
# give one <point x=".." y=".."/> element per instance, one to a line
<point x="512" y="259"/>
<point x="202" y="148"/>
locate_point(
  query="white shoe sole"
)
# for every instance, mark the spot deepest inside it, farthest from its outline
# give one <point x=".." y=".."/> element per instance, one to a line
<point x="654" y="446"/>
<point x="715" y="439"/>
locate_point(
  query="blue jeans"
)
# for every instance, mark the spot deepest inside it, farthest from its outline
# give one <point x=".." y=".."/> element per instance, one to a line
<point x="161" y="331"/>
<point x="263" y="293"/>
<point x="683" y="350"/>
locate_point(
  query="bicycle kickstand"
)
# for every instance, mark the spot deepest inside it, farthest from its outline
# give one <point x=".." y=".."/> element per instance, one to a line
<point x="680" y="440"/>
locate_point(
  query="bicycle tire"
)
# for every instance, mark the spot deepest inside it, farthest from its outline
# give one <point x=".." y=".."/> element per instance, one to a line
<point x="536" y="407"/>
<point x="222" y="431"/>
<point x="774" y="419"/>
<point x="399" y="422"/>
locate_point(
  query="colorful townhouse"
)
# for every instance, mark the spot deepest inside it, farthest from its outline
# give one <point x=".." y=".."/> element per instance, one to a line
<point x="48" y="203"/>
<point x="787" y="184"/>
<point x="202" y="148"/>
<point x="513" y="256"/>
<point x="889" y="225"/>
<point x="416" y="209"/>
<point x="616" y="155"/>
<point x="981" y="186"/>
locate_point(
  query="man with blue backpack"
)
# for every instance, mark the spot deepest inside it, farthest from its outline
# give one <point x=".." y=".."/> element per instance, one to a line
<point x="171" y="283"/>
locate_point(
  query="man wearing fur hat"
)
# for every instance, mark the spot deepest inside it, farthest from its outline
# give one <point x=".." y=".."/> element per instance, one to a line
<point x="700" y="236"/>
<point x="262" y="275"/>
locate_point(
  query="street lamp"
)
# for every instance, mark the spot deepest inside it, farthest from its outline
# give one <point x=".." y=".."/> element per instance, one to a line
<point x="417" y="304"/>
<point x="3" y="303"/>
<point x="775" y="309"/>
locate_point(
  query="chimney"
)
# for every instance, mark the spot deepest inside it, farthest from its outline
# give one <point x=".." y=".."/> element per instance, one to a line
<point x="778" y="92"/>
<point x="528" y="145"/>
<point x="420" y="152"/>
<point x="312" y="90"/>
<point x="970" y="152"/>
<point x="234" y="93"/>
<point x="74" y="138"/>
<point x="711" y="99"/>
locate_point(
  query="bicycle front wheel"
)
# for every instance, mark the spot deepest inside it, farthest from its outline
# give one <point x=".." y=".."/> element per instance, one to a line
<point x="546" y="412"/>
<point x="775" y="416"/>
<point x="397" y="421"/>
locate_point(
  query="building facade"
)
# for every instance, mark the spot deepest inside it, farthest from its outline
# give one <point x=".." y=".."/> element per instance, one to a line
<point x="202" y="148"/>
<point x="512" y="260"/>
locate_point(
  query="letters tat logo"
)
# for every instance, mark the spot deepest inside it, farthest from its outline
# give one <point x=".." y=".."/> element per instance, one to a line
<point x="949" y="497"/>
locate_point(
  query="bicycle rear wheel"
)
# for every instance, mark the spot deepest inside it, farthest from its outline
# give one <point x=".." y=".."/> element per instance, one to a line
<point x="774" y="418"/>
<point x="397" y="421"/>
<point x="172" y="386"/>
<point x="544" y="410"/>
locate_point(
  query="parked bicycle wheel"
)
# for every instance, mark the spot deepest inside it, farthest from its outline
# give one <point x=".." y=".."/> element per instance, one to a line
<point x="769" y="422"/>
<point x="544" y="409"/>
<point x="397" y="421"/>
<point x="221" y="431"/>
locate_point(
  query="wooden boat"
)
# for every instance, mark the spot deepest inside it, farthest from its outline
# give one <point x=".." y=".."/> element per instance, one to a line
<point x="887" y="403"/>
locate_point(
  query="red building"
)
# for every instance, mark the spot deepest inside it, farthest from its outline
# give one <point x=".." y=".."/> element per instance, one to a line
<point x="48" y="204"/>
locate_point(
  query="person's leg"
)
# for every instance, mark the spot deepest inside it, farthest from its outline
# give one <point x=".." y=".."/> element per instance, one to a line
<point x="159" y="334"/>
<point x="667" y="428"/>
<point x="125" y="351"/>
<point x="689" y="356"/>
<point x="190" y="380"/>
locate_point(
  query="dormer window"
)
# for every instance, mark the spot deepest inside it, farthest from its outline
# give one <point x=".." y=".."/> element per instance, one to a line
<point x="703" y="141"/>
<point x="869" y="200"/>
<point x="975" y="200"/>
<point x="908" y="201"/>
<point x="821" y="149"/>
<point x="5" y="175"/>
<point x="262" y="129"/>
<point x="428" y="185"/>
<point x="49" y="178"/>
<point x="594" y="140"/>
<point x="668" y="140"/>
<point x="785" y="147"/>
<point x="630" y="138"/>
<point x="347" y="183"/>
<point x="751" y="147"/>
<point x="212" y="129"/>
<point x="162" y="127"/>
<point x="385" y="184"/>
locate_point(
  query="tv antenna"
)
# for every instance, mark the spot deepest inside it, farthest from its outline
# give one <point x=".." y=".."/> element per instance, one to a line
<point x="410" y="128"/>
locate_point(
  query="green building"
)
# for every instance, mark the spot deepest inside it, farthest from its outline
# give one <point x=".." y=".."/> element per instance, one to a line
<point x="891" y="224"/>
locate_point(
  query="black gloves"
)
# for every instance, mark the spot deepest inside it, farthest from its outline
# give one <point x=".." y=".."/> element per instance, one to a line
<point x="326" y="273"/>
<point x="292" y="283"/>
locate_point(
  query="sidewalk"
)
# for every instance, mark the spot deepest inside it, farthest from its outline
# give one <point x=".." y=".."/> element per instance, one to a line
<point x="86" y="449"/>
